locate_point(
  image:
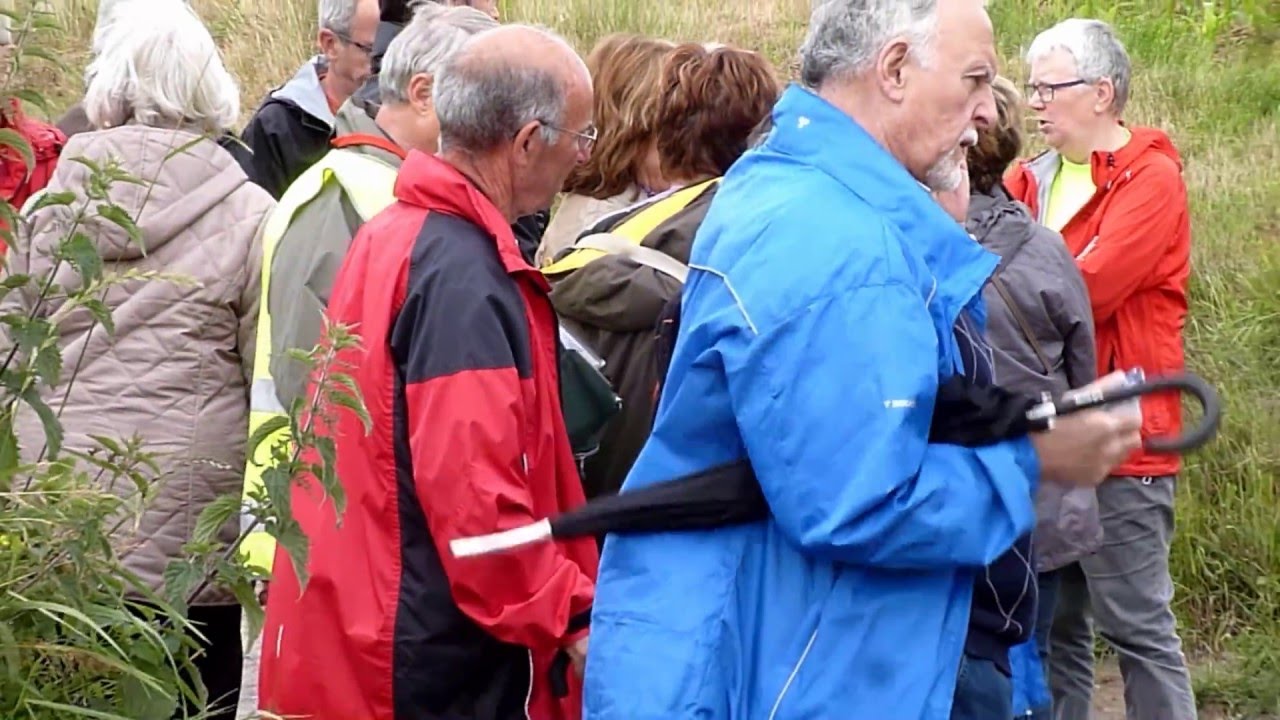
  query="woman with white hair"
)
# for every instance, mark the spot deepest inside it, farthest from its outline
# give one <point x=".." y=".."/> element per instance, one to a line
<point x="175" y="369"/>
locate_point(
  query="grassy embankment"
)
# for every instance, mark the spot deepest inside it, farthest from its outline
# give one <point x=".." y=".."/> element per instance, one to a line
<point x="1209" y="73"/>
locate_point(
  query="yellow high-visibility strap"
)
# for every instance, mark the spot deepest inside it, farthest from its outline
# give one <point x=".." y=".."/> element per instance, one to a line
<point x="635" y="228"/>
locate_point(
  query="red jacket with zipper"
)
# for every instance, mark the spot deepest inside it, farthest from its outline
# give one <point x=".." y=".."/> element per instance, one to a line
<point x="1132" y="243"/>
<point x="459" y="372"/>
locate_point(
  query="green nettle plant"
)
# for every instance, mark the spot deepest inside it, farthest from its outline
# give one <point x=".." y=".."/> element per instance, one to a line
<point x="81" y="635"/>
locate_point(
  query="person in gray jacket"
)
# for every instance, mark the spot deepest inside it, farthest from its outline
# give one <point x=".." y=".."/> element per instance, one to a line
<point x="1040" y="327"/>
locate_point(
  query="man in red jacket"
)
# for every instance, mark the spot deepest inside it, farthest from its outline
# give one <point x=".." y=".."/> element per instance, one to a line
<point x="459" y="371"/>
<point x="1117" y="195"/>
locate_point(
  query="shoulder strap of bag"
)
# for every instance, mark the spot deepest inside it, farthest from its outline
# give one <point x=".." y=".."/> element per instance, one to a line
<point x="1023" y="325"/>
<point x="617" y="245"/>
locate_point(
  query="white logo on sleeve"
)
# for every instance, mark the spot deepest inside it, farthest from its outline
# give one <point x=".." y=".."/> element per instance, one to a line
<point x="903" y="404"/>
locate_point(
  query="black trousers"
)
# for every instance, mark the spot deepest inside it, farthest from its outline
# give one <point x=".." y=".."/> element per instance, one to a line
<point x="220" y="659"/>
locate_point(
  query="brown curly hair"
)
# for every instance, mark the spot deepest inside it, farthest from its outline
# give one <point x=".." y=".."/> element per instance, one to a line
<point x="999" y="145"/>
<point x="624" y="70"/>
<point x="712" y="100"/>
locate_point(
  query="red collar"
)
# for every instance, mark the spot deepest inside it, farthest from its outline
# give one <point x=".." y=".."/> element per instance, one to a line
<point x="429" y="182"/>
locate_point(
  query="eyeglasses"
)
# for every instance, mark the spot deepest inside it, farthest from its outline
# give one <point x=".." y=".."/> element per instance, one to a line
<point x="585" y="139"/>
<point x="1046" y="91"/>
<point x="366" y="48"/>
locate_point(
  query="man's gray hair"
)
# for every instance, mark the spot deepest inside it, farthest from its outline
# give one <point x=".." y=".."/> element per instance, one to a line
<point x="434" y="34"/>
<point x="337" y="16"/>
<point x="846" y="35"/>
<point x="483" y="104"/>
<point x="1096" y="49"/>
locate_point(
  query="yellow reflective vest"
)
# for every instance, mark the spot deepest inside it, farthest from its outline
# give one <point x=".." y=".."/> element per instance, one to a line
<point x="368" y="183"/>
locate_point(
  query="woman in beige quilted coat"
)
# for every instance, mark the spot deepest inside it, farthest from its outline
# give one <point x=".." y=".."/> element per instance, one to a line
<point x="176" y="369"/>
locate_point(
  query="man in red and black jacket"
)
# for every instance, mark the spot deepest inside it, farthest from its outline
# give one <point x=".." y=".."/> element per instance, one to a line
<point x="459" y="372"/>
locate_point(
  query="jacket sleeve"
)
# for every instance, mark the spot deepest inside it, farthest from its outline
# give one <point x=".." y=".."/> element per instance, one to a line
<point x="268" y="167"/>
<point x="1141" y="224"/>
<point x="834" y="407"/>
<point x="246" y="305"/>
<point x="457" y="342"/>
<point x="1072" y="315"/>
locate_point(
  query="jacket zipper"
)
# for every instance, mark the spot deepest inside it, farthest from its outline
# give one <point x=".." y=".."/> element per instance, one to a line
<point x="792" y="677"/>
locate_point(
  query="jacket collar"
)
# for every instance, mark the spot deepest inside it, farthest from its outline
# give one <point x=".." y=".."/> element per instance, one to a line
<point x="428" y="182"/>
<point x="816" y="133"/>
<point x="304" y="90"/>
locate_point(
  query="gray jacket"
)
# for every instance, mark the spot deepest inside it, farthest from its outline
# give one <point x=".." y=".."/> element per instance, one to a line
<point x="1041" y="278"/>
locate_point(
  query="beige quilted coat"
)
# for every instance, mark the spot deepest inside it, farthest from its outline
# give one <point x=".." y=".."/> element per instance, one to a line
<point x="176" y="371"/>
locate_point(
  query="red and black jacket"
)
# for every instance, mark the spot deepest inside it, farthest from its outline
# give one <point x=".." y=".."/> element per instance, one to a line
<point x="459" y="372"/>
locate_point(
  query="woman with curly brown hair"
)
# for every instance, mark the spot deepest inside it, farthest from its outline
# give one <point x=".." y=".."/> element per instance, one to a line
<point x="711" y="101"/>
<point x="623" y="167"/>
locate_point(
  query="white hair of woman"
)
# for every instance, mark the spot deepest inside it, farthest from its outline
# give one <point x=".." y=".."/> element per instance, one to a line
<point x="158" y="66"/>
<point x="1097" y="51"/>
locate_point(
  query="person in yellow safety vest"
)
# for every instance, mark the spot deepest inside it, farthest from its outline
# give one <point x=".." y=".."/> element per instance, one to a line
<point x="307" y="237"/>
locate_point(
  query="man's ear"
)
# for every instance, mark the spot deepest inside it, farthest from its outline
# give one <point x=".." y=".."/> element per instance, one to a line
<point x="891" y="65"/>
<point x="419" y="92"/>
<point x="528" y="142"/>
<point x="1104" y="96"/>
<point x="328" y="42"/>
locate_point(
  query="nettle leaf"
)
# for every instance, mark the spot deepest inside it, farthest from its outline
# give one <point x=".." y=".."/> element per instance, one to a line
<point x="238" y="579"/>
<point x="80" y="252"/>
<point x="63" y="198"/>
<point x="329" y="473"/>
<point x="15" y="281"/>
<point x="8" y="449"/>
<point x="181" y="576"/>
<point x="274" y="424"/>
<point x="52" y="428"/>
<point x="214" y="516"/>
<point x="100" y="312"/>
<point x="350" y="399"/>
<point x="11" y="138"/>
<point x="294" y="541"/>
<point x="48" y="364"/>
<point x="144" y="703"/>
<point x="30" y="334"/>
<point x="277" y="481"/>
<point x="121" y="218"/>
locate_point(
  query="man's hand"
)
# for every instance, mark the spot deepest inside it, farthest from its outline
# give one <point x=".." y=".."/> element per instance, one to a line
<point x="1082" y="448"/>
<point x="578" y="654"/>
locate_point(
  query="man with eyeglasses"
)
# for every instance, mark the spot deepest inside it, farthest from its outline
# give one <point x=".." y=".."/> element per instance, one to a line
<point x="1116" y="194"/>
<point x="293" y="126"/>
<point x="459" y="367"/>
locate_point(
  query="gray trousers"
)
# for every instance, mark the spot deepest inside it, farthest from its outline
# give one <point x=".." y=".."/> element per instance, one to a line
<point x="1126" y="589"/>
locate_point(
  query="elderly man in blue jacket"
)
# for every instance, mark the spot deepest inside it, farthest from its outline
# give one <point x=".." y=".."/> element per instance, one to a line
<point x="828" y="297"/>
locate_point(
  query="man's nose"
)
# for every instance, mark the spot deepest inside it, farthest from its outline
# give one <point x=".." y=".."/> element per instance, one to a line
<point x="985" y="115"/>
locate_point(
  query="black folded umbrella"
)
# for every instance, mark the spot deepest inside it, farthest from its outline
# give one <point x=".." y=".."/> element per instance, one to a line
<point x="729" y="494"/>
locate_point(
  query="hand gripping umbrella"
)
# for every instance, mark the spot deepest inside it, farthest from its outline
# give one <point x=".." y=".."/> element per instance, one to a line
<point x="729" y="494"/>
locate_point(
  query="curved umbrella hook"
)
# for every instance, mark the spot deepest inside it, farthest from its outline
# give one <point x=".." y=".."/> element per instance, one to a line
<point x="1189" y="383"/>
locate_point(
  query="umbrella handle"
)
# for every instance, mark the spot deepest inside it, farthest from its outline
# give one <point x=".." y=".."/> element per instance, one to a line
<point x="1189" y="383"/>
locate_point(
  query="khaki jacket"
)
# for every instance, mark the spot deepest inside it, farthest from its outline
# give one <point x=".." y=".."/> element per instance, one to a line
<point x="176" y="369"/>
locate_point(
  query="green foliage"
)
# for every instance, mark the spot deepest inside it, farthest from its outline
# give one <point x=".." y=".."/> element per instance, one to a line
<point x="80" y="634"/>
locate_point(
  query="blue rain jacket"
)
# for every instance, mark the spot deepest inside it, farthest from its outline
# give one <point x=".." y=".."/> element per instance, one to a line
<point x="816" y="326"/>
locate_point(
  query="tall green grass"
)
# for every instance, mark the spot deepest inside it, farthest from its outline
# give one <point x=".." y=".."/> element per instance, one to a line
<point x="1206" y="72"/>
